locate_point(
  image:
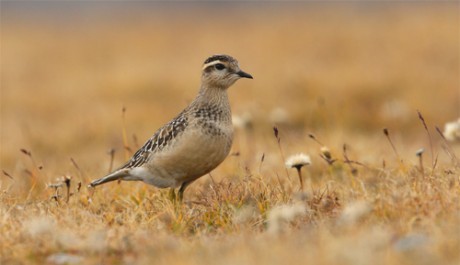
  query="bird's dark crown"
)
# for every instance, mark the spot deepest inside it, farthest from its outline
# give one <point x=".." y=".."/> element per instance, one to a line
<point x="219" y="57"/>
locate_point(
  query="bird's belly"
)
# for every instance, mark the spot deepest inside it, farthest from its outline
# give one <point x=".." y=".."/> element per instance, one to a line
<point x="192" y="156"/>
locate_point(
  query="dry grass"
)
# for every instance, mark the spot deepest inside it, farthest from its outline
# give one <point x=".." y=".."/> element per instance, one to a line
<point x="326" y="75"/>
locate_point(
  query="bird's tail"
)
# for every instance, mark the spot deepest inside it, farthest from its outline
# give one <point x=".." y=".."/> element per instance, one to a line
<point x="117" y="175"/>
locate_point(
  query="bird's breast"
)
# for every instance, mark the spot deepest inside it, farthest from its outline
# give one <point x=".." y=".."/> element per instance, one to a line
<point x="198" y="150"/>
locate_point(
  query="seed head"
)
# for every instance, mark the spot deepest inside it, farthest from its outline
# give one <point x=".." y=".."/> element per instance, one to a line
<point x="354" y="212"/>
<point x="276" y="132"/>
<point x="243" y="121"/>
<point x="298" y="161"/>
<point x="279" y="116"/>
<point x="54" y="185"/>
<point x="452" y="131"/>
<point x="39" y="226"/>
<point x="280" y="216"/>
<point x="420" y="152"/>
<point x="326" y="152"/>
<point x="67" y="180"/>
<point x="385" y="131"/>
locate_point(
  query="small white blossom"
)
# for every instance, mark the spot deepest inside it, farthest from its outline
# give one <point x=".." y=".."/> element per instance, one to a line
<point x="279" y="116"/>
<point x="243" y="121"/>
<point x="452" y="131"/>
<point x="420" y="152"/>
<point x="244" y="214"/>
<point x="395" y="110"/>
<point x="298" y="161"/>
<point x="64" y="258"/>
<point x="280" y="216"/>
<point x="354" y="212"/>
<point x="39" y="226"/>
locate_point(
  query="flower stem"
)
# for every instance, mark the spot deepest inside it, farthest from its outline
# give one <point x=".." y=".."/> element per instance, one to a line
<point x="299" y="171"/>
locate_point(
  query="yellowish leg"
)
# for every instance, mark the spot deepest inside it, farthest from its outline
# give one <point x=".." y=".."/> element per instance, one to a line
<point x="182" y="189"/>
<point x="172" y="195"/>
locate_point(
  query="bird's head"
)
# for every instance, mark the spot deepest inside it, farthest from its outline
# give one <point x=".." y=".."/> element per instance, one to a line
<point x="221" y="71"/>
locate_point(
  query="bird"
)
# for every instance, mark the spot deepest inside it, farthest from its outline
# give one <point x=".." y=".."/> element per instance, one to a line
<point x="193" y="143"/>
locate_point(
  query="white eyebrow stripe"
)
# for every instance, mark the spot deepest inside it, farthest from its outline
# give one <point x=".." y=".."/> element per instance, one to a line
<point x="211" y="63"/>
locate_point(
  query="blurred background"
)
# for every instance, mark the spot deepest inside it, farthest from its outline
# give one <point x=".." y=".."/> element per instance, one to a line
<point x="343" y="71"/>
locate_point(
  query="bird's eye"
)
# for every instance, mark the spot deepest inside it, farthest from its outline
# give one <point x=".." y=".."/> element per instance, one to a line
<point x="220" y="66"/>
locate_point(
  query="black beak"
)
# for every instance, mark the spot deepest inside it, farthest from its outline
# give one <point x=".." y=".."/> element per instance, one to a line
<point x="244" y="74"/>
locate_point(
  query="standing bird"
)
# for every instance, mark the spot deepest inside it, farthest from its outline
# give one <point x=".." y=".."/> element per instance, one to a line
<point x="193" y="143"/>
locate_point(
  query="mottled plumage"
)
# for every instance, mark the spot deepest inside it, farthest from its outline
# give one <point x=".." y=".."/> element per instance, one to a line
<point x="193" y="143"/>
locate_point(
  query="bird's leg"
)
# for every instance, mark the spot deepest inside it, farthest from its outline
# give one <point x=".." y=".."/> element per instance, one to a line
<point x="182" y="189"/>
<point x="172" y="195"/>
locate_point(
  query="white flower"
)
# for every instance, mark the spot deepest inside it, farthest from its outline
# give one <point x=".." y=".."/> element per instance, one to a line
<point x="39" y="226"/>
<point x="395" y="110"/>
<point x="452" y="131"/>
<point x="243" y="121"/>
<point x="298" y="161"/>
<point x="244" y="214"/>
<point x="279" y="116"/>
<point x="280" y="216"/>
<point x="64" y="258"/>
<point x="354" y="212"/>
<point x="420" y="152"/>
<point x="96" y="241"/>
